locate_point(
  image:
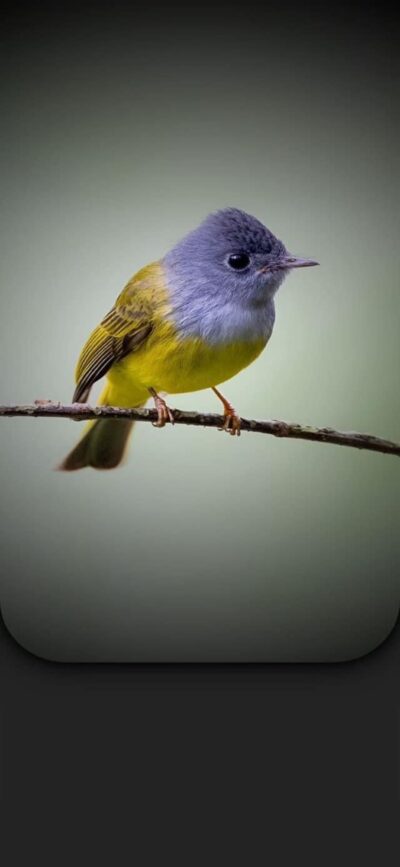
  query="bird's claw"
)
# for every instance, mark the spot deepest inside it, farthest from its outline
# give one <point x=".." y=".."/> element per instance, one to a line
<point x="232" y="422"/>
<point x="164" y="413"/>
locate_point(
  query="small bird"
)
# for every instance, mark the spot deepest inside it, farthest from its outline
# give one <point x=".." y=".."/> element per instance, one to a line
<point x="186" y="322"/>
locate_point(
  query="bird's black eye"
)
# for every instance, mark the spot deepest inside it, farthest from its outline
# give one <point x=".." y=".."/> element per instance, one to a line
<point x="239" y="261"/>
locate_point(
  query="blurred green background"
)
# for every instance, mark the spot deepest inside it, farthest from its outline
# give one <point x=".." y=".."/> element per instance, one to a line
<point x="121" y="134"/>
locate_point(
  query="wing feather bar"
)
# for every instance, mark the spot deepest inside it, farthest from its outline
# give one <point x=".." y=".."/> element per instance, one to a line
<point x="123" y="330"/>
<point x="103" y="348"/>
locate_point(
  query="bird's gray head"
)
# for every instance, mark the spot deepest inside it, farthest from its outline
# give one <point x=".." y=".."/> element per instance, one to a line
<point x="222" y="276"/>
<point x="235" y="255"/>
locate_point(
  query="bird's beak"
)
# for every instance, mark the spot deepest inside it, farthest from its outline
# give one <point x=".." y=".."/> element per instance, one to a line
<point x="290" y="261"/>
<point x="286" y="262"/>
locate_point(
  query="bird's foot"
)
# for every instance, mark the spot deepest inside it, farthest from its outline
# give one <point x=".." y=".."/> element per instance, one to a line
<point x="232" y="421"/>
<point x="164" y="413"/>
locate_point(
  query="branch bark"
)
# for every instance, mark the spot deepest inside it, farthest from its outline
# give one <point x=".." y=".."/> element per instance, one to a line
<point x="84" y="412"/>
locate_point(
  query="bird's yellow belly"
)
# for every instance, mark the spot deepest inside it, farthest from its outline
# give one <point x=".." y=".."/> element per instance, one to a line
<point x="175" y="365"/>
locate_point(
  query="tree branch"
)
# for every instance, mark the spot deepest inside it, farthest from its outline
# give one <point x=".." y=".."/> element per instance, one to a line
<point x="84" y="412"/>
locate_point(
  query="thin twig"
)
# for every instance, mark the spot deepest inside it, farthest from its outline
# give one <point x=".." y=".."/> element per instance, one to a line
<point x="84" y="412"/>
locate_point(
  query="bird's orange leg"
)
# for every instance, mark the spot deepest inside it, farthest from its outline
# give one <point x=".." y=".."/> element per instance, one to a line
<point x="232" y="419"/>
<point x="163" y="411"/>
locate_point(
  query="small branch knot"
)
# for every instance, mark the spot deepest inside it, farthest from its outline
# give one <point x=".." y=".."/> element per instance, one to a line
<point x="281" y="429"/>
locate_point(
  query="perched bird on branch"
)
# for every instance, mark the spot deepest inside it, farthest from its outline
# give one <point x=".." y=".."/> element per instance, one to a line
<point x="189" y="321"/>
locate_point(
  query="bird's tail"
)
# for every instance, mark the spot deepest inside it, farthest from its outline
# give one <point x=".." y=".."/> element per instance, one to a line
<point x="102" y="446"/>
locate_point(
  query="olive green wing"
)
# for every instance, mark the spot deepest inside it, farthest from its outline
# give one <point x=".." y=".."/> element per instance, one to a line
<point x="123" y="330"/>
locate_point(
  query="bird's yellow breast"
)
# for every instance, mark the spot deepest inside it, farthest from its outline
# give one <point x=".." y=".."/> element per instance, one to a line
<point x="174" y="364"/>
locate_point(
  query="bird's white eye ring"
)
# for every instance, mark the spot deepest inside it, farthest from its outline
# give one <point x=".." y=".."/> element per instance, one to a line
<point x="238" y="261"/>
